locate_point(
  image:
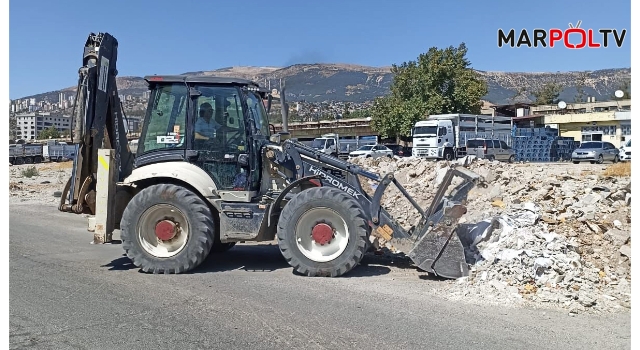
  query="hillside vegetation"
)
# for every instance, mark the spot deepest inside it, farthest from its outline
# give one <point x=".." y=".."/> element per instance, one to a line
<point x="354" y="83"/>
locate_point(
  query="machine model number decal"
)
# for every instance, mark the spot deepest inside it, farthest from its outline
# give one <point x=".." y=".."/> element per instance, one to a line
<point x="335" y="182"/>
<point x="104" y="71"/>
<point x="170" y="138"/>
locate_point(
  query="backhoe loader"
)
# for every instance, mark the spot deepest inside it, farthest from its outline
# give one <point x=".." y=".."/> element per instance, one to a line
<point x="210" y="172"/>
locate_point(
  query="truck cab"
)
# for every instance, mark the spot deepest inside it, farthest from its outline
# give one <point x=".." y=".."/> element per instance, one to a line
<point x="327" y="144"/>
<point x="433" y="139"/>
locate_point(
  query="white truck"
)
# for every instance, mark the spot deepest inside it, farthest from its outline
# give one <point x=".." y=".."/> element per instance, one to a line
<point x="444" y="136"/>
<point x="332" y="144"/>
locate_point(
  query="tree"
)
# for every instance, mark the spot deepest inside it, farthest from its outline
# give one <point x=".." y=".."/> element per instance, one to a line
<point x="359" y="113"/>
<point x="548" y="94"/>
<point x="51" y="132"/>
<point x="346" y="112"/>
<point x="13" y="127"/>
<point x="439" y="81"/>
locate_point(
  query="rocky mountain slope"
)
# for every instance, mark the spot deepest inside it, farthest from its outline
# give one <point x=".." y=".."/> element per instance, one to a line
<point x="353" y="83"/>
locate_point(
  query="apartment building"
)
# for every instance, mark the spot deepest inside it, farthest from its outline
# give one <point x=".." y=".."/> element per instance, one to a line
<point x="30" y="125"/>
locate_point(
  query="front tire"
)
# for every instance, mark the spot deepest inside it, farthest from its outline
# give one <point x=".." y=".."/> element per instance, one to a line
<point x="167" y="229"/>
<point x="322" y="232"/>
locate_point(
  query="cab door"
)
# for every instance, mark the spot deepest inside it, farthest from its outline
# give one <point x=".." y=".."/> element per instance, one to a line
<point x="220" y="140"/>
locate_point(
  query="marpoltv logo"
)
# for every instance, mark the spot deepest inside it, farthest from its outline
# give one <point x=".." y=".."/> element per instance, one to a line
<point x="571" y="38"/>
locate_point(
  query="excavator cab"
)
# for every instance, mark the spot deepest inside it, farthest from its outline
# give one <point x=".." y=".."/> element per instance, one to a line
<point x="217" y="124"/>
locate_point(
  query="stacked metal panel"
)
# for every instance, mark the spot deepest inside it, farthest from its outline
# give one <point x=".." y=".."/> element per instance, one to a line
<point x="542" y="145"/>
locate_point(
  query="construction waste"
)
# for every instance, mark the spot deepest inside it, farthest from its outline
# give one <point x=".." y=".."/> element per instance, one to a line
<point x="564" y="236"/>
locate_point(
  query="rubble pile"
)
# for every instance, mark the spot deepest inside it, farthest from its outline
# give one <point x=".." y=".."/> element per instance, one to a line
<point x="564" y="235"/>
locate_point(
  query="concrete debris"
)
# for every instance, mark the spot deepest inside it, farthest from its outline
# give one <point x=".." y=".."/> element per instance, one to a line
<point x="564" y="232"/>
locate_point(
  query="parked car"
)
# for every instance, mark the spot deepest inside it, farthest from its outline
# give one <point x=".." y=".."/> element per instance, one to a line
<point x="625" y="151"/>
<point x="490" y="149"/>
<point x="596" y="152"/>
<point x="400" y="151"/>
<point x="372" y="151"/>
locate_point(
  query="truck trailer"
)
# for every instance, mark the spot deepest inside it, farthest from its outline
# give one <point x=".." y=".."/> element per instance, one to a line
<point x="444" y="136"/>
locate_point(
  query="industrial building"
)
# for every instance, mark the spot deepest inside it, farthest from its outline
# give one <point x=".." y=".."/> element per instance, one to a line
<point x="30" y="125"/>
<point x="608" y="121"/>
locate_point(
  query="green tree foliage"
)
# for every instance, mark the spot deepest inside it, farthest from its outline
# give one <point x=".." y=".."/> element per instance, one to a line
<point x="548" y="94"/>
<point x="51" y="132"/>
<point x="346" y="111"/>
<point x="13" y="128"/>
<point x="439" y="81"/>
<point x="358" y="114"/>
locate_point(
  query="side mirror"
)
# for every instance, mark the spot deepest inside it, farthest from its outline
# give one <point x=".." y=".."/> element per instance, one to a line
<point x="243" y="159"/>
<point x="411" y="132"/>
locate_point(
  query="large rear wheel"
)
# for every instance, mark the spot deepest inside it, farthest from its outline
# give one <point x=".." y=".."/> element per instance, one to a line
<point x="322" y="232"/>
<point x="167" y="229"/>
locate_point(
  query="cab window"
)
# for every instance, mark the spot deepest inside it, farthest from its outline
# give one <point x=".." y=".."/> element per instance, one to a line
<point x="258" y="113"/>
<point x="164" y="126"/>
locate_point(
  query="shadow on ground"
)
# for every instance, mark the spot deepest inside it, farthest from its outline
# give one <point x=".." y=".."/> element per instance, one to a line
<point x="267" y="258"/>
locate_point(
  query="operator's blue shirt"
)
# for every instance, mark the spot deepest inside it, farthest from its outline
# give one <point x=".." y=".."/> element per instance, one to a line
<point x="206" y="129"/>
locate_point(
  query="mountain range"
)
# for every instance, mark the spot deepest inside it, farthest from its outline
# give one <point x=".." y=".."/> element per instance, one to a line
<point x="355" y="83"/>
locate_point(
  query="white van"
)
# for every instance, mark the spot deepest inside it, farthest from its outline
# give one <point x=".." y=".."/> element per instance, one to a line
<point x="625" y="150"/>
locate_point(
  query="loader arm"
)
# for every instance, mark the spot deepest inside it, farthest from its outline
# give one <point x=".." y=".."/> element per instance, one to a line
<point x="433" y="244"/>
<point x="97" y="123"/>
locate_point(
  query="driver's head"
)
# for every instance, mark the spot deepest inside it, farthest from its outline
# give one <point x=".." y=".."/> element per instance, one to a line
<point x="206" y="111"/>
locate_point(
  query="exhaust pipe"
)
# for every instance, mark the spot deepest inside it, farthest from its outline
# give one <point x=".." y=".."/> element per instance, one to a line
<point x="285" y="108"/>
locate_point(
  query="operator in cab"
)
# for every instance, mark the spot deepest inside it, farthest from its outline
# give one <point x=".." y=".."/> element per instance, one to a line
<point x="206" y="127"/>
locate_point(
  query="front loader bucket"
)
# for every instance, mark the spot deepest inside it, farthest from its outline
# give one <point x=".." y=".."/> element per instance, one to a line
<point x="438" y="249"/>
<point x="434" y="245"/>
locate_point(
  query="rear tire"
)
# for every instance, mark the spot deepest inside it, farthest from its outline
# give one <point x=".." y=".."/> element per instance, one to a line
<point x="576" y="162"/>
<point x="512" y="159"/>
<point x="160" y="203"/>
<point x="322" y="206"/>
<point x="491" y="158"/>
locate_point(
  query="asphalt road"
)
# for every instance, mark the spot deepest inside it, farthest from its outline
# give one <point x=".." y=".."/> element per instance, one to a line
<point x="66" y="293"/>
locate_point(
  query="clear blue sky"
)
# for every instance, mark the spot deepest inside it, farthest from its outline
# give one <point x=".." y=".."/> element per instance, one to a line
<point x="172" y="37"/>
